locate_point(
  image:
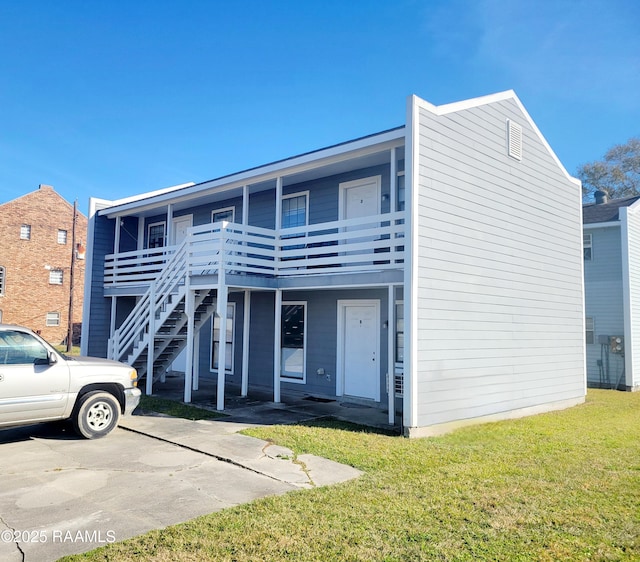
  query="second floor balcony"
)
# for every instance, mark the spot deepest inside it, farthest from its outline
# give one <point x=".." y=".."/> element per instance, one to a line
<point x="218" y="250"/>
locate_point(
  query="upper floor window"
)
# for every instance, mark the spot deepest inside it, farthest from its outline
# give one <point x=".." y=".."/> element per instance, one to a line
<point x="157" y="233"/>
<point x="25" y="232"/>
<point x="55" y="277"/>
<point x="220" y="215"/>
<point x="53" y="319"/>
<point x="401" y="192"/>
<point x="587" y="245"/>
<point x="294" y="210"/>
<point x="2" y="275"/>
<point x="62" y="236"/>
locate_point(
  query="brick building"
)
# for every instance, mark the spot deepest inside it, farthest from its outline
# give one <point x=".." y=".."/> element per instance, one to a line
<point x="36" y="233"/>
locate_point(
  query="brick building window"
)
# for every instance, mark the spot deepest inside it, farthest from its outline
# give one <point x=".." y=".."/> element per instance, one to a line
<point x="53" y="319"/>
<point x="55" y="277"/>
<point x="2" y="276"/>
<point x="25" y="232"/>
<point x="62" y="236"/>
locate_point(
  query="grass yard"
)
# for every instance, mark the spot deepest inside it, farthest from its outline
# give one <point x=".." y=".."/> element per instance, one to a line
<point x="559" y="486"/>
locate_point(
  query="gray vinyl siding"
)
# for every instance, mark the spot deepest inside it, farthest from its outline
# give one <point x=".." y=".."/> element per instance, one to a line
<point x="603" y="297"/>
<point x="633" y="346"/>
<point x="499" y="296"/>
<point x="97" y="330"/>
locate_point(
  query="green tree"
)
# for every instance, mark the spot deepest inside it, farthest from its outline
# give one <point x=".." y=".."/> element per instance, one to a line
<point x="618" y="173"/>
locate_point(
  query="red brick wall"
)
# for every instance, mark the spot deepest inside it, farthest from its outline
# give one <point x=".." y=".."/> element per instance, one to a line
<point x="28" y="295"/>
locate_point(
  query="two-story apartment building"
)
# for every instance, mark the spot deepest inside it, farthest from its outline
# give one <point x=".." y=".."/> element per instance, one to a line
<point x="36" y="231"/>
<point x="612" y="291"/>
<point x="422" y="270"/>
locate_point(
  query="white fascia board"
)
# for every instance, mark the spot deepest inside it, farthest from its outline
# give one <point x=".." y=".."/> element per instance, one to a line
<point x="493" y="98"/>
<point x="595" y="225"/>
<point x="297" y="164"/>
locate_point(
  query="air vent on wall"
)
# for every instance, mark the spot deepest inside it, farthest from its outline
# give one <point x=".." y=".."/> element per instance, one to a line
<point x="514" y="139"/>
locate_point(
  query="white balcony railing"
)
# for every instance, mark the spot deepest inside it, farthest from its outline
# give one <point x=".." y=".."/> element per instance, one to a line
<point x="364" y="244"/>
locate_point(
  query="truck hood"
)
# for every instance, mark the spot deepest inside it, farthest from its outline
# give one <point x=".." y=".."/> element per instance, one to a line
<point x="75" y="361"/>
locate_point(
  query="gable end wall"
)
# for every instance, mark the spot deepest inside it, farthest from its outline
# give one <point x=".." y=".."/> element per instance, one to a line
<point x="499" y="267"/>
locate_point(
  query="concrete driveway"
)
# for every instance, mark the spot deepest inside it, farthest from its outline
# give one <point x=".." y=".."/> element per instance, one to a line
<point x="62" y="495"/>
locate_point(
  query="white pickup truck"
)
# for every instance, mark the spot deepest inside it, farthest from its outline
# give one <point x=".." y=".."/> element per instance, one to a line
<point x="39" y="384"/>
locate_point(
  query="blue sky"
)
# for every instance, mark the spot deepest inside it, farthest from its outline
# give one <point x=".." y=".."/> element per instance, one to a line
<point x="110" y="98"/>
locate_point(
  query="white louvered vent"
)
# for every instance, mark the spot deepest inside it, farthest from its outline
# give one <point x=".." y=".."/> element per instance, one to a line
<point x="514" y="139"/>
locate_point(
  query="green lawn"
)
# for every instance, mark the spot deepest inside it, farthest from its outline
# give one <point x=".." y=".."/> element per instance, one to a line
<point x="559" y="486"/>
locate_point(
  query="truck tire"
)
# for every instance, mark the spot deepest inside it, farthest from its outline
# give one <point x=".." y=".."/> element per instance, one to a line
<point x="96" y="414"/>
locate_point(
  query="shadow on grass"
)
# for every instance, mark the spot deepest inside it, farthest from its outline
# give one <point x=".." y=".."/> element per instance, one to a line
<point x="330" y="422"/>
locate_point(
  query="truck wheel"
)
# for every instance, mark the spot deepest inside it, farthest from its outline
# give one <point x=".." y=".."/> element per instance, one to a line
<point x="96" y="414"/>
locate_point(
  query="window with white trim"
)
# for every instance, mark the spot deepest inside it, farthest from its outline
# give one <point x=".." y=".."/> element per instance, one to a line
<point x="227" y="214"/>
<point x="294" y="210"/>
<point x="587" y="247"/>
<point x="590" y="330"/>
<point x="62" y="236"/>
<point x="2" y="279"/>
<point x="55" y="277"/>
<point x="293" y="341"/>
<point x="215" y="343"/>
<point x="25" y="232"/>
<point x="156" y="235"/>
<point x="53" y="319"/>
<point x="399" y="332"/>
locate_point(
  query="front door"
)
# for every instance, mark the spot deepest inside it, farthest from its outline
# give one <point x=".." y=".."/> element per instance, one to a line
<point x="359" y="349"/>
<point x="179" y="229"/>
<point x="360" y="198"/>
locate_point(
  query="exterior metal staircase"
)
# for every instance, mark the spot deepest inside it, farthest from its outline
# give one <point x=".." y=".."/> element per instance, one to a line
<point x="158" y="322"/>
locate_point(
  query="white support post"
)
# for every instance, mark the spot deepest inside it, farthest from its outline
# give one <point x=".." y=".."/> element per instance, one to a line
<point x="278" y="224"/>
<point x="169" y="240"/>
<point x="391" y="364"/>
<point x="277" y="343"/>
<point x="112" y="323"/>
<point x="393" y="187"/>
<point x="116" y="249"/>
<point x="196" y="362"/>
<point x="245" y="205"/>
<point x="244" y="386"/>
<point x="223" y="295"/>
<point x="151" y="339"/>
<point x="189" y="303"/>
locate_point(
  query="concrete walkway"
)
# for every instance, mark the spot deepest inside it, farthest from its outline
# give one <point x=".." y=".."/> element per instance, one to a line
<point x="63" y="495"/>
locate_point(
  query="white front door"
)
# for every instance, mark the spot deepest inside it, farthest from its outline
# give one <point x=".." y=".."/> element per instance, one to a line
<point x="360" y="198"/>
<point x="179" y="228"/>
<point x="359" y="348"/>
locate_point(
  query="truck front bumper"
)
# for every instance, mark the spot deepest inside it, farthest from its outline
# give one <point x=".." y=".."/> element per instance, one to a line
<point x="131" y="400"/>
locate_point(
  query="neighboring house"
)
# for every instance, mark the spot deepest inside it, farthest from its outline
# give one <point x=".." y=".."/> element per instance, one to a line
<point x="612" y="291"/>
<point x="423" y="269"/>
<point x="36" y="231"/>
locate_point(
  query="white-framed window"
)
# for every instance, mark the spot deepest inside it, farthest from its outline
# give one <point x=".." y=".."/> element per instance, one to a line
<point x="295" y="210"/>
<point x="2" y="280"/>
<point x="25" y="232"/>
<point x="55" y="276"/>
<point x="400" y="203"/>
<point x="53" y="319"/>
<point x="587" y="245"/>
<point x="399" y="341"/>
<point x="227" y="214"/>
<point x="157" y="233"/>
<point x="215" y="340"/>
<point x="293" y="350"/>
<point x="589" y="330"/>
<point x="62" y="236"/>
